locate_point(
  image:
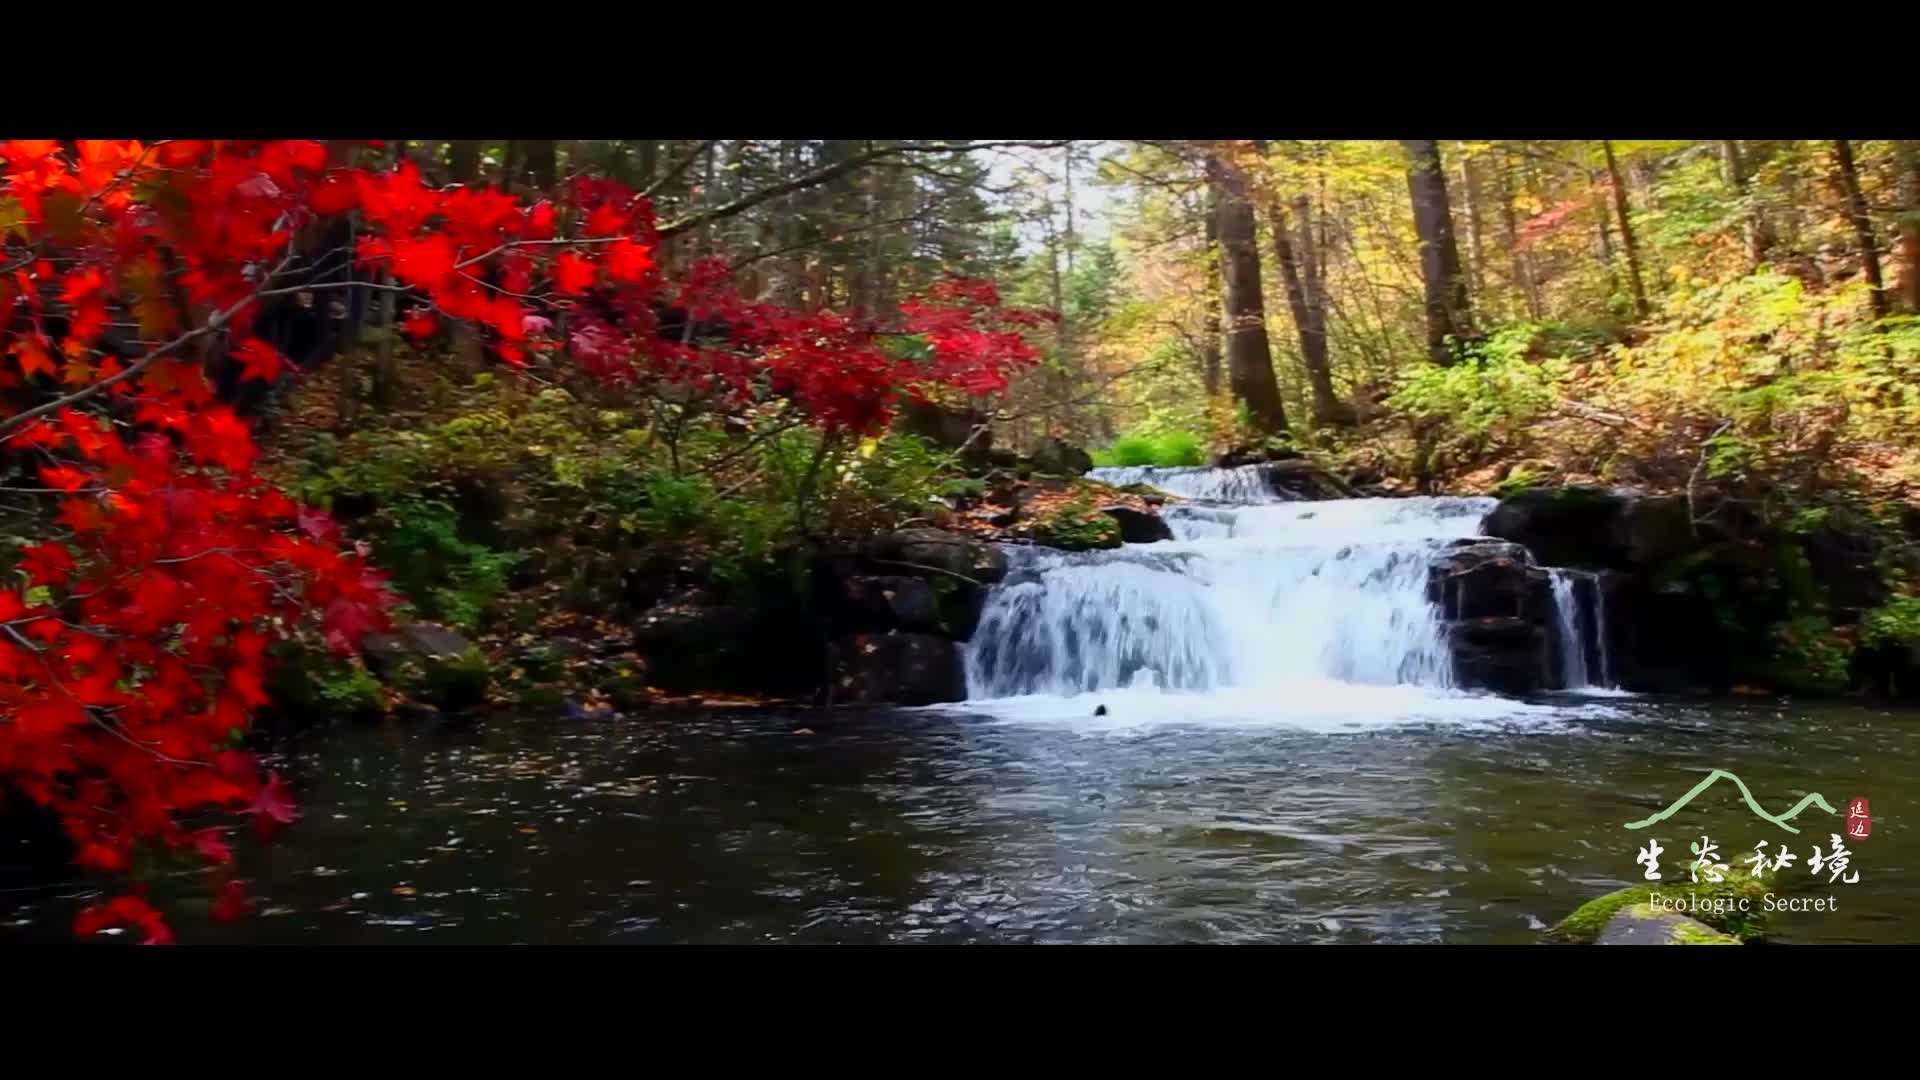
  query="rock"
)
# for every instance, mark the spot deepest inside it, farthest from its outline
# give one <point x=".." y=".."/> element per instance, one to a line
<point x="1733" y="907"/>
<point x="1299" y="478"/>
<point x="934" y="605"/>
<point x="1138" y="526"/>
<point x="1640" y="924"/>
<point x="1051" y="455"/>
<point x="1593" y="527"/>
<point x="949" y="429"/>
<point x="1504" y="654"/>
<point x="898" y="668"/>
<point x="691" y="619"/>
<point x="936" y="551"/>
<point x="385" y="653"/>
<point x="1843" y="552"/>
<point x="1154" y="498"/>
<point x="1001" y="458"/>
<point x="1364" y="477"/>
<point x="1479" y="579"/>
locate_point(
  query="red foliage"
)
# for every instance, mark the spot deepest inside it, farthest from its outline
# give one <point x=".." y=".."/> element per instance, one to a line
<point x="133" y="658"/>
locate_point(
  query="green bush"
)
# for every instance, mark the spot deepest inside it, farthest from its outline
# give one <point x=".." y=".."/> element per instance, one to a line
<point x="1170" y="450"/>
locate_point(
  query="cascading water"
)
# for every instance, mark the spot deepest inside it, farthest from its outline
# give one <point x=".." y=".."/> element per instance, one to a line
<point x="1571" y="632"/>
<point x="1568" y="626"/>
<point x="1258" y="609"/>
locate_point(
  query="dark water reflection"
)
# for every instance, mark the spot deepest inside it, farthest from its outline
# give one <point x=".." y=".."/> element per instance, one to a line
<point x="923" y="827"/>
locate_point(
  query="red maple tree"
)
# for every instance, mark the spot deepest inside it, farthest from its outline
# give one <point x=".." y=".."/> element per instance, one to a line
<point x="134" y="635"/>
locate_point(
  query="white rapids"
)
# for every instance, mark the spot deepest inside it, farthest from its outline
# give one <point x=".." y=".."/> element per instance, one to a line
<point x="1259" y="612"/>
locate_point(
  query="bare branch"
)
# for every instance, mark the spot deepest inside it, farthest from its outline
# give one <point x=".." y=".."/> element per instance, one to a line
<point x="827" y="173"/>
<point x="680" y="167"/>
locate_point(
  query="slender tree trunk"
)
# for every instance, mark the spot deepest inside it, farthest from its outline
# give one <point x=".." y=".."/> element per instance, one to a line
<point x="1449" y="317"/>
<point x="1755" y="228"/>
<point x="1907" y="161"/>
<point x="1862" y="226"/>
<point x="1470" y="206"/>
<point x="1520" y="269"/>
<point x="1627" y="244"/>
<point x="1067" y="364"/>
<point x="1210" y="339"/>
<point x="649" y="163"/>
<point x="543" y="164"/>
<point x="463" y="161"/>
<point x="1299" y="273"/>
<point x="1249" y="359"/>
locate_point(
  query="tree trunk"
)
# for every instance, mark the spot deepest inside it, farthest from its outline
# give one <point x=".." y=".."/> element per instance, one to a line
<point x="1627" y="244"/>
<point x="1299" y="272"/>
<point x="463" y="161"/>
<point x="1249" y="359"/>
<point x="1210" y="340"/>
<point x="1470" y="204"/>
<point x="1907" y="160"/>
<point x="1520" y="270"/>
<point x="543" y="164"/>
<point x="1862" y="226"/>
<point x="649" y="165"/>
<point x="1758" y="233"/>
<point x="1449" y="318"/>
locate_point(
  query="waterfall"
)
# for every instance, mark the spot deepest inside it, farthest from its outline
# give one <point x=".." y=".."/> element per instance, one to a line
<point x="1257" y="604"/>
<point x="1571" y="632"/>
<point x="1568" y="628"/>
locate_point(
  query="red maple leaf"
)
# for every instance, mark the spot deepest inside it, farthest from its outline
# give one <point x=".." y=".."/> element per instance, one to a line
<point x="572" y="274"/>
<point x="627" y="261"/>
<point x="419" y="325"/>
<point x="258" y="360"/>
<point x="606" y="220"/>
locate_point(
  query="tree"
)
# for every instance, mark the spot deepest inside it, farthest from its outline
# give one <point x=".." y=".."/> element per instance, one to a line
<point x="1449" y="316"/>
<point x="1907" y="162"/>
<point x="135" y="639"/>
<point x="1759" y="234"/>
<point x="1303" y="270"/>
<point x="1249" y="359"/>
<point x="1627" y="242"/>
<point x="1627" y="231"/>
<point x="1849" y="181"/>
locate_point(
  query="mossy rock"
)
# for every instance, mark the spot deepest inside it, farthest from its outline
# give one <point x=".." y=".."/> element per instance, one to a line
<point x="1716" y="904"/>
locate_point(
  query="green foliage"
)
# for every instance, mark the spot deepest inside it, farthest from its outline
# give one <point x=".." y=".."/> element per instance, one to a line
<point x="1810" y="655"/>
<point x="350" y="688"/>
<point x="1078" y="526"/>
<point x="963" y="487"/>
<point x="1896" y="623"/>
<point x="1493" y="390"/>
<point x="441" y="575"/>
<point x="1171" y="449"/>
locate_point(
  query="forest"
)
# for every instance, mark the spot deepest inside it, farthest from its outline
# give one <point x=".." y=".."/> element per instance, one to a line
<point x="305" y="433"/>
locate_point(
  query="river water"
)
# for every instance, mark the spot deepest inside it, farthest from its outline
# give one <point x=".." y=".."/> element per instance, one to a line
<point x="1247" y="734"/>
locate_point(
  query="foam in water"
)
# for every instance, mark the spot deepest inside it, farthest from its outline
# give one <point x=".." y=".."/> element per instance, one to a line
<point x="1260" y="611"/>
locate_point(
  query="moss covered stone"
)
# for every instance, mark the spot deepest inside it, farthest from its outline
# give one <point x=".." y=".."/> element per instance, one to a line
<point x="1717" y="904"/>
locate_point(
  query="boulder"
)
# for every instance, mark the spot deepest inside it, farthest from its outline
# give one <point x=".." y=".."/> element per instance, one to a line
<point x="432" y="664"/>
<point x="949" y="429"/>
<point x="1051" y="455"/>
<point x="935" y="605"/>
<point x="1843" y="552"/>
<point x="1298" y="478"/>
<point x="692" y="619"/>
<point x="1642" y="924"/>
<point x="937" y="551"/>
<point x="1138" y="526"/>
<point x="386" y="653"/>
<point x="1504" y="654"/>
<point x="1594" y="527"/>
<point x="898" y="668"/>
<point x="1477" y="579"/>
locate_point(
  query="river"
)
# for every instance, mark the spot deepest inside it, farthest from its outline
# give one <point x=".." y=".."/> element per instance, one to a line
<point x="1246" y="734"/>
